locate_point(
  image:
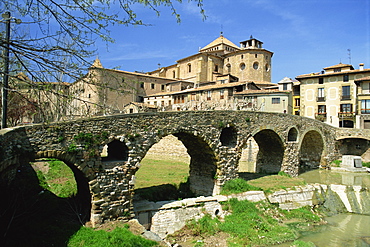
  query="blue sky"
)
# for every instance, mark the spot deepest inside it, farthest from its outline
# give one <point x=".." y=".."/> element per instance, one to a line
<point x="305" y="35"/>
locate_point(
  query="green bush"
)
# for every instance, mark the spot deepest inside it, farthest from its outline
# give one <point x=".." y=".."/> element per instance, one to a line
<point x="303" y="213"/>
<point x="118" y="237"/>
<point x="237" y="185"/>
<point x="366" y="164"/>
<point x="336" y="163"/>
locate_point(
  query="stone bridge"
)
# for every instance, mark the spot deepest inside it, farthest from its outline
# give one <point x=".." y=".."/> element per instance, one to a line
<point x="214" y="141"/>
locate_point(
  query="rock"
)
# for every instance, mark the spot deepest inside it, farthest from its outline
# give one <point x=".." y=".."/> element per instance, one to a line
<point x="152" y="236"/>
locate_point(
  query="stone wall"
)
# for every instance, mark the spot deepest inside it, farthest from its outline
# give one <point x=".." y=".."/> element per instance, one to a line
<point x="214" y="140"/>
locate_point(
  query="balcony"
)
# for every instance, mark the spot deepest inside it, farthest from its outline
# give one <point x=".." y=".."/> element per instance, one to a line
<point x="346" y="115"/>
<point x="320" y="99"/>
<point x="321" y="116"/>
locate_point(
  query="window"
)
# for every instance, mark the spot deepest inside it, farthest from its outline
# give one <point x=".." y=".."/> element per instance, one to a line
<point x="337" y="70"/>
<point x="365" y="88"/>
<point x="320" y="94"/>
<point x="222" y="91"/>
<point x="297" y="102"/>
<point x="141" y="84"/>
<point x="182" y="99"/>
<point x="209" y="93"/>
<point x="173" y="74"/>
<point x="162" y="87"/>
<point x="216" y="68"/>
<point x="241" y="56"/>
<point x="346" y="92"/>
<point x="321" y="109"/>
<point x="152" y="86"/>
<point x="242" y="66"/>
<point x="189" y="67"/>
<point x="345" y="78"/>
<point x="365" y="106"/>
<point x="321" y="80"/>
<point x="346" y="108"/>
<point x="285" y="86"/>
<point x="255" y="65"/>
<point x="275" y="101"/>
<point x="228" y="66"/>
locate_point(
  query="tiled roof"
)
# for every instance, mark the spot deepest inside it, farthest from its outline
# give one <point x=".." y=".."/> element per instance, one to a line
<point x="340" y="65"/>
<point x="220" y="40"/>
<point x="366" y="78"/>
<point x="262" y="91"/>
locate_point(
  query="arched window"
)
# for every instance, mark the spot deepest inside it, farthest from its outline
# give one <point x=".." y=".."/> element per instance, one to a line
<point x="242" y="66"/>
<point x="189" y="67"/>
<point x="228" y="66"/>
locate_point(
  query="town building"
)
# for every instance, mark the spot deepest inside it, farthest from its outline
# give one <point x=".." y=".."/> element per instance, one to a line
<point x="363" y="102"/>
<point x="225" y="77"/>
<point x="331" y="95"/>
<point x="107" y="91"/>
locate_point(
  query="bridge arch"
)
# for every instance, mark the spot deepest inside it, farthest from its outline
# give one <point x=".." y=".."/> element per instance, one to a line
<point x="82" y="177"/>
<point x="311" y="150"/>
<point x="354" y="145"/>
<point x="271" y="151"/>
<point x="293" y="134"/>
<point x="203" y="162"/>
<point x="229" y="137"/>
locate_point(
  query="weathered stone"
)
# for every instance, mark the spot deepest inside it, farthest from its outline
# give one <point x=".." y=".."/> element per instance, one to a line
<point x="214" y="155"/>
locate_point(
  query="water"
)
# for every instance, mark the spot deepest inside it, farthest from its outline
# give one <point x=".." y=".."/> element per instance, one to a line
<point x="336" y="177"/>
<point x="342" y="230"/>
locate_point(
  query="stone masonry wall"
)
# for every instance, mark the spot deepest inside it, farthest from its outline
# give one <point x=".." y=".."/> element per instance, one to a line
<point x="213" y="161"/>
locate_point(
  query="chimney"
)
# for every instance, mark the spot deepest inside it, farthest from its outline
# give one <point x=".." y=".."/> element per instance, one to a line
<point x="361" y="66"/>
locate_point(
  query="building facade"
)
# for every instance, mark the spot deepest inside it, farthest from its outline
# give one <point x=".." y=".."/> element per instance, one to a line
<point x="331" y="95"/>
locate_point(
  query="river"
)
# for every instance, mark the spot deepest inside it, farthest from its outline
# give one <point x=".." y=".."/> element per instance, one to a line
<point x="342" y="230"/>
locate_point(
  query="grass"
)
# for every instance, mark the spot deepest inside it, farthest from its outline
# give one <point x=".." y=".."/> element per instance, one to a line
<point x="238" y="185"/>
<point x="58" y="178"/>
<point x="270" y="184"/>
<point x="161" y="170"/>
<point x="252" y="224"/>
<point x="118" y="237"/>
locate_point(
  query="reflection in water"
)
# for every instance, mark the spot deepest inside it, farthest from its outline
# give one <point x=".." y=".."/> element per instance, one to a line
<point x="348" y="230"/>
<point x="336" y="177"/>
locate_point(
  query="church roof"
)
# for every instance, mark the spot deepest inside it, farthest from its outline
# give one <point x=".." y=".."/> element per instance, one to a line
<point x="218" y="41"/>
<point x="97" y="64"/>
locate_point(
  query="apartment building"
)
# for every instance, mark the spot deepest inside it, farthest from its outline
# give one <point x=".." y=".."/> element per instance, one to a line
<point x="331" y="95"/>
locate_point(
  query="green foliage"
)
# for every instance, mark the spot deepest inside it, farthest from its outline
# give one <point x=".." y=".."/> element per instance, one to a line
<point x="366" y="164"/>
<point x="247" y="119"/>
<point x="118" y="237"/>
<point x="72" y="148"/>
<point x="299" y="243"/>
<point x="42" y="180"/>
<point x="204" y="226"/>
<point x="59" y="179"/>
<point x="88" y="141"/>
<point x="281" y="173"/>
<point x="303" y="213"/>
<point x="336" y="163"/>
<point x="237" y="185"/>
<point x="248" y="225"/>
<point x="221" y="125"/>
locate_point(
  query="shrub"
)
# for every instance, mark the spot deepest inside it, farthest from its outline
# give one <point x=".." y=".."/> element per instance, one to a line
<point x="237" y="185"/>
